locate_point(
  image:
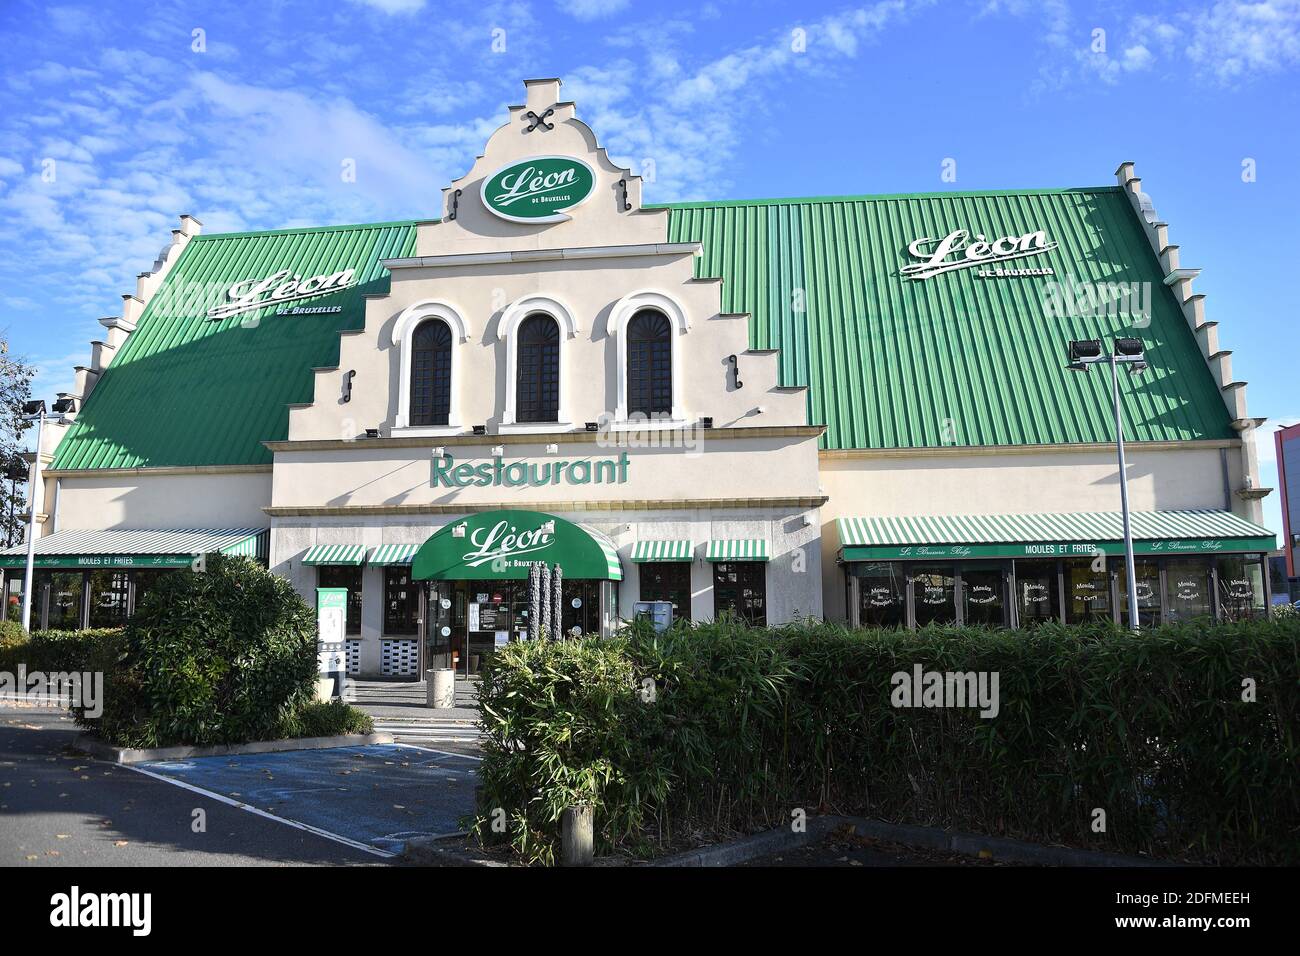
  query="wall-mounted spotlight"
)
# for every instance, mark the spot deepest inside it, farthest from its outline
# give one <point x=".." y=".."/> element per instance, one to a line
<point x="706" y="421"/>
<point x="64" y="405"/>
<point x="480" y="429"/>
<point x="498" y="451"/>
<point x="593" y="426"/>
<point x="372" y="432"/>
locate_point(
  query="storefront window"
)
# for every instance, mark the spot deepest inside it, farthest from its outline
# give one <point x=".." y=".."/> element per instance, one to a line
<point x="343" y="576"/>
<point x="1187" y="588"/>
<point x="108" y="596"/>
<point x="667" y="581"/>
<point x="401" y="601"/>
<point x="741" y="588"/>
<point x="1038" y="599"/>
<point x="1148" y="593"/>
<point x="882" y="595"/>
<point x="933" y="595"/>
<point x="1241" y="587"/>
<point x="64" y="600"/>
<point x="145" y="581"/>
<point x="14" y="595"/>
<point x="1087" y="592"/>
<point x="983" y="601"/>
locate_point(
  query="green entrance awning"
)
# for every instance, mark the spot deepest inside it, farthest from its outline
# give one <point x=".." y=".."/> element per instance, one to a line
<point x="1077" y="534"/>
<point x="388" y="554"/>
<point x="738" y="549"/>
<point x="679" y="549"/>
<point x="137" y="547"/>
<point x="331" y="554"/>
<point x="504" y="544"/>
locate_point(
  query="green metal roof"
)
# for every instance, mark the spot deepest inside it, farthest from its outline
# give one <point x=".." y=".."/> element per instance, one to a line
<point x="1076" y="534"/>
<point x="954" y="359"/>
<point x="890" y="362"/>
<point x="189" y="390"/>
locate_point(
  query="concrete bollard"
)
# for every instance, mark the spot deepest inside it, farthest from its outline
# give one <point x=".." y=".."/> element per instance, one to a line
<point x="440" y="688"/>
<point x="577" y="844"/>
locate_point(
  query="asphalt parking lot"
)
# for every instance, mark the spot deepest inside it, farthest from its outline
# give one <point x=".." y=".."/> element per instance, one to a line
<point x="344" y="807"/>
<point x="374" y="797"/>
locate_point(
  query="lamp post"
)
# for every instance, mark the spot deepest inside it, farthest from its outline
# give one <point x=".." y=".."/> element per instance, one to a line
<point x="34" y="411"/>
<point x="1083" y="355"/>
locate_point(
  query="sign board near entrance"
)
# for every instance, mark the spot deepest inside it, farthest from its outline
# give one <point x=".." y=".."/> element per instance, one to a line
<point x="331" y="623"/>
<point x="539" y="189"/>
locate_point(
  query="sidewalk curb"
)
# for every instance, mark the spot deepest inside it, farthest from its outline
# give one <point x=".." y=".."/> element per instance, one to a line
<point x="437" y="851"/>
<point x="129" y="755"/>
<point x="1002" y="849"/>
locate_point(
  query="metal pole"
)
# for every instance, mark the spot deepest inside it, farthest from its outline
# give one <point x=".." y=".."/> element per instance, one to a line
<point x="1133" y="618"/>
<point x="35" y="483"/>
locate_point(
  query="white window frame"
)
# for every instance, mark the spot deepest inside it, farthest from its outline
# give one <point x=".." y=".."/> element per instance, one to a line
<point x="616" y="328"/>
<point x="507" y="332"/>
<point x="403" y="330"/>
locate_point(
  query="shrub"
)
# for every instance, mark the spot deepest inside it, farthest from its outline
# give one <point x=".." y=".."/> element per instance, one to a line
<point x="224" y="656"/>
<point x="11" y="633"/>
<point x="331" y="719"/>
<point x="720" y="728"/>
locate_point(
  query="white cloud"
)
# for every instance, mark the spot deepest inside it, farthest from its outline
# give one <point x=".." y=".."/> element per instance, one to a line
<point x="688" y="119"/>
<point x="1229" y="42"/>
<point x="591" y="9"/>
<point x="393" y="6"/>
<point x="1236" y="40"/>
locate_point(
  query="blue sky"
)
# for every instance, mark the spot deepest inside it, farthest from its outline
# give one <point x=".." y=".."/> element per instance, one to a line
<point x="246" y="123"/>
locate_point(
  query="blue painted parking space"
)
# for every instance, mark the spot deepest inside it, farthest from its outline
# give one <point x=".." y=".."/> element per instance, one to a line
<point x="375" y="797"/>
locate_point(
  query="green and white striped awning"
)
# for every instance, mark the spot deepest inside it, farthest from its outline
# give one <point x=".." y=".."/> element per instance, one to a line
<point x="1048" y="535"/>
<point x="387" y="554"/>
<point x="137" y="547"/>
<point x="679" y="549"/>
<point x="738" y="549"/>
<point x="351" y="554"/>
<point x="606" y="545"/>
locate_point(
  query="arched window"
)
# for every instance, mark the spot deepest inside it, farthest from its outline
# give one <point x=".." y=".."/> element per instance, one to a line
<point x="430" y="373"/>
<point x="649" y="364"/>
<point x="537" y="382"/>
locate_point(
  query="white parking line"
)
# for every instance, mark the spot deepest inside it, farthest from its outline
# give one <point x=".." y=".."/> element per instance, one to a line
<point x="262" y="813"/>
<point x="449" y="753"/>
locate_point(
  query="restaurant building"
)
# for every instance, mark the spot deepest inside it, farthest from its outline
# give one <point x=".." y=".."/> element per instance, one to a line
<point x="855" y="408"/>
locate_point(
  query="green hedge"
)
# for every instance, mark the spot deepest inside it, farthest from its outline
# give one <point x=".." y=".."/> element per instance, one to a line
<point x="719" y="728"/>
<point x="60" y="651"/>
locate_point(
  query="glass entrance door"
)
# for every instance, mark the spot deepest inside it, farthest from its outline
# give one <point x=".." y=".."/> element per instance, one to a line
<point x="436" y="617"/>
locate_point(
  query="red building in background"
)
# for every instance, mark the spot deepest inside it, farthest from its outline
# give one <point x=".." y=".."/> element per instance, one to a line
<point x="1288" y="473"/>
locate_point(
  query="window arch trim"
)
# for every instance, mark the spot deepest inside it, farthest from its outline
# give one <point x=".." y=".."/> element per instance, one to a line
<point x="403" y="331"/>
<point x="616" y="328"/>
<point x="508" y="333"/>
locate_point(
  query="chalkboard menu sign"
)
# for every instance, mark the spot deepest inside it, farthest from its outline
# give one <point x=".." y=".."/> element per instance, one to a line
<point x="493" y="617"/>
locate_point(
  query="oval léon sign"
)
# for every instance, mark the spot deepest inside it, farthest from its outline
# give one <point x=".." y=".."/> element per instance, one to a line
<point x="538" y="189"/>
